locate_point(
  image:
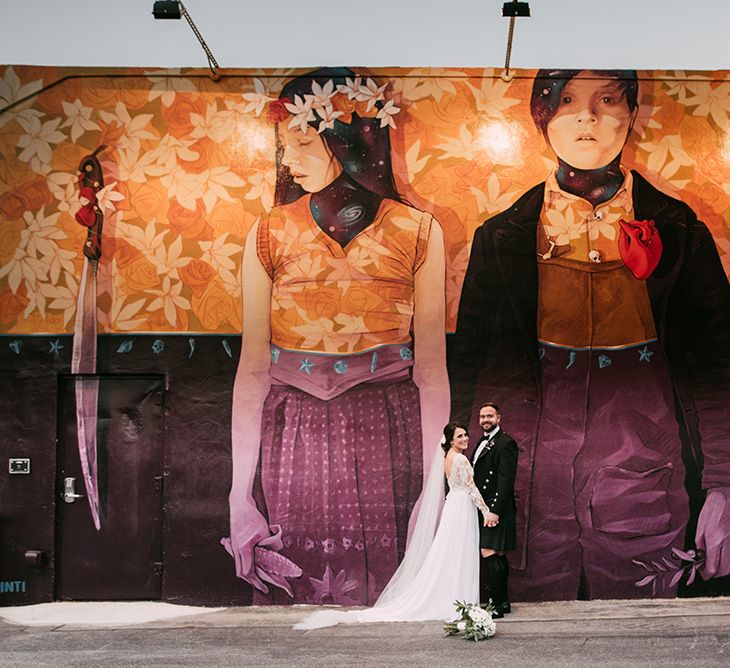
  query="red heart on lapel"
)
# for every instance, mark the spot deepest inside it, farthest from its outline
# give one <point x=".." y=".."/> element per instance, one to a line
<point x="640" y="247"/>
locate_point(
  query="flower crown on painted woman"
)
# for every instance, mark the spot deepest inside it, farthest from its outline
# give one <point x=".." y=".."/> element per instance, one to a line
<point x="327" y="104"/>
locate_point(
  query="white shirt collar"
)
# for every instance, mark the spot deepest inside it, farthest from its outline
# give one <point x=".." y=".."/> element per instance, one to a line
<point x="491" y="434"/>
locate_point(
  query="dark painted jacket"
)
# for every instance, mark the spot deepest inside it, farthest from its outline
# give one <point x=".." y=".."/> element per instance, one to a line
<point x="493" y="356"/>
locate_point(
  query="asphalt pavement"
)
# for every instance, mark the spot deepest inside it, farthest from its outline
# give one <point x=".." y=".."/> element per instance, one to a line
<point x="682" y="632"/>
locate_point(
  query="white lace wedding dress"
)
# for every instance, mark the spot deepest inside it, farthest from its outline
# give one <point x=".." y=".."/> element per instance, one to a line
<point x="437" y="569"/>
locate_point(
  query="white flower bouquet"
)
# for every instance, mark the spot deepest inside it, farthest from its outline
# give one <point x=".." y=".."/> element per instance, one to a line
<point x="474" y="622"/>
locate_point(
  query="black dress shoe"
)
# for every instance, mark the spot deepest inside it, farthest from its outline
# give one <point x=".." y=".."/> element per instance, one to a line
<point x="506" y="608"/>
<point x="497" y="614"/>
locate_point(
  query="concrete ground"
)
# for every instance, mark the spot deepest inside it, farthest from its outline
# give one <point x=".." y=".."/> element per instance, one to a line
<point x="683" y="632"/>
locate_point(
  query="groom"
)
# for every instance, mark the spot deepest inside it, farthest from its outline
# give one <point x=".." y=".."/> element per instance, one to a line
<point x="495" y="464"/>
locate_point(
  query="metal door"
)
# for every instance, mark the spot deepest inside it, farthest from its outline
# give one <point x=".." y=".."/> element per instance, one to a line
<point x="122" y="560"/>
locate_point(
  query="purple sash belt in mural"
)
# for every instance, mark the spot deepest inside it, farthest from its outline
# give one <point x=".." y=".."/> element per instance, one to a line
<point x="326" y="376"/>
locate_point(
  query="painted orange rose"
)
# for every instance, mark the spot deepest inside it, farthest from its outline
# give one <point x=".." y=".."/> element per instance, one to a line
<point x="134" y="92"/>
<point x="140" y="275"/>
<point x="177" y="115"/>
<point x="13" y="205"/>
<point x="10" y="232"/>
<point x="100" y="93"/>
<point x="344" y="104"/>
<point x="196" y="275"/>
<point x="50" y="100"/>
<point x="12" y="305"/>
<point x="214" y="306"/>
<point x="321" y="303"/>
<point x="232" y="218"/>
<point x="12" y="170"/>
<point x="67" y="157"/>
<point x="147" y="200"/>
<point x="189" y="224"/>
<point x="202" y="148"/>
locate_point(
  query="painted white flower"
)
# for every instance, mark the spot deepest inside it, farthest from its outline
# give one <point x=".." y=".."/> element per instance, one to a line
<point x="435" y="84"/>
<point x="167" y="152"/>
<point x="493" y="200"/>
<point x="371" y="93"/>
<point x="414" y="161"/>
<point x="322" y="95"/>
<point x="106" y="197"/>
<point x="256" y="101"/>
<point x="168" y="258"/>
<point x="11" y="91"/>
<point x="168" y="298"/>
<point x="135" y="127"/>
<point x="37" y="140"/>
<point x="666" y="156"/>
<point x="135" y="167"/>
<point x="166" y="87"/>
<point x="328" y="116"/>
<point x="263" y="185"/>
<point x="146" y="239"/>
<point x="121" y="316"/>
<point x="64" y="187"/>
<point x="24" y="267"/>
<point x="216" y="125"/>
<point x="78" y="118"/>
<point x="351" y="87"/>
<point x="185" y="188"/>
<point x="562" y="226"/>
<point x="712" y="102"/>
<point x="218" y="253"/>
<point x="386" y="114"/>
<point x="64" y="298"/>
<point x="301" y="109"/>
<point x="462" y="147"/>
<point x="491" y="97"/>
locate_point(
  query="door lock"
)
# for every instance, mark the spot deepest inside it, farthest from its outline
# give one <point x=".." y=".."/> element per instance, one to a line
<point x="69" y="492"/>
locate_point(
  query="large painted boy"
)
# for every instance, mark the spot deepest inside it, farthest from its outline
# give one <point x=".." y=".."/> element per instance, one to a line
<point x="596" y="312"/>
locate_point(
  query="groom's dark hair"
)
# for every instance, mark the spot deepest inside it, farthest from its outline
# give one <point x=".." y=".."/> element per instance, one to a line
<point x="490" y="404"/>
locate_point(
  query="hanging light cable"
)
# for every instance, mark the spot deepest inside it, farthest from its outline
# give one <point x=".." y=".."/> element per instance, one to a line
<point x="512" y="9"/>
<point x="174" y="9"/>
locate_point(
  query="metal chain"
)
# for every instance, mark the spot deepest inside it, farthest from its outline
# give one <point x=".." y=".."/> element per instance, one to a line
<point x="510" y="35"/>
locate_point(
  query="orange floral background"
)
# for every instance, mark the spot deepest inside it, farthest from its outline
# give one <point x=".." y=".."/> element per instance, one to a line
<point x="189" y="167"/>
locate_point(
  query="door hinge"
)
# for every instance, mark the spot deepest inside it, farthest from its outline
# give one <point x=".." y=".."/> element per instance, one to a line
<point x="159" y="482"/>
<point x="158" y="567"/>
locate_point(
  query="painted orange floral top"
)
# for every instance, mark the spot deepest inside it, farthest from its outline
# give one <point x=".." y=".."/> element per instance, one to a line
<point x="587" y="296"/>
<point x="341" y="315"/>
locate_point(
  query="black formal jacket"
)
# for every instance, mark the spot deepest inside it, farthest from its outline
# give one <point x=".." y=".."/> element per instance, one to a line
<point x="494" y="475"/>
<point x="493" y="356"/>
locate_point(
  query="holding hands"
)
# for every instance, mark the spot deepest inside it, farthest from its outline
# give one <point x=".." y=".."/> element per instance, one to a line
<point x="491" y="520"/>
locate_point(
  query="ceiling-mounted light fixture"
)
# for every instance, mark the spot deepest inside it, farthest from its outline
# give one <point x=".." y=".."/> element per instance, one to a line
<point x="174" y="9"/>
<point x="512" y="10"/>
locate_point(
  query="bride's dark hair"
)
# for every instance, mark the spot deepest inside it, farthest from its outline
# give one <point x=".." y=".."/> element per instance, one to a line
<point x="449" y="431"/>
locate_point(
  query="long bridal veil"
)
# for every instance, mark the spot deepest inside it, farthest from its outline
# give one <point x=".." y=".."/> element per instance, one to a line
<point x="419" y="543"/>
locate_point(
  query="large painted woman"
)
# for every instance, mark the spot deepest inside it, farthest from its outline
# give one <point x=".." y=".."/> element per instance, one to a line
<point x="341" y="390"/>
<point x="596" y="312"/>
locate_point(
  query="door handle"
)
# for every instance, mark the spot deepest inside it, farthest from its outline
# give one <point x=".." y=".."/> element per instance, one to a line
<point x="69" y="492"/>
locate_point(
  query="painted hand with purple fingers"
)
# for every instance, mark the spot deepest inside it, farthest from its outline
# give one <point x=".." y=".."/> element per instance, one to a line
<point x="713" y="533"/>
<point x="255" y="550"/>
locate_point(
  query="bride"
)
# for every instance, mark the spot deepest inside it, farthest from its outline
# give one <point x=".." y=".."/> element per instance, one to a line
<point x="441" y="565"/>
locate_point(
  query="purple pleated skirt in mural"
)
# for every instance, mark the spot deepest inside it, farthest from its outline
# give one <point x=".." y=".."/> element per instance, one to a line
<point x="340" y="477"/>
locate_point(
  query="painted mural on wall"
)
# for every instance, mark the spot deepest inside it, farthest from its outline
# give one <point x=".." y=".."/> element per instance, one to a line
<point x="337" y="220"/>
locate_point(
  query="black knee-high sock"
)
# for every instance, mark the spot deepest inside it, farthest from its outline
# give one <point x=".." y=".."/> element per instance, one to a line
<point x="485" y="591"/>
<point x="504" y="594"/>
<point x="494" y="576"/>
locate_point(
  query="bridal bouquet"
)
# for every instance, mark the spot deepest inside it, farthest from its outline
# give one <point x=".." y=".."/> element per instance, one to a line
<point x="476" y="622"/>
